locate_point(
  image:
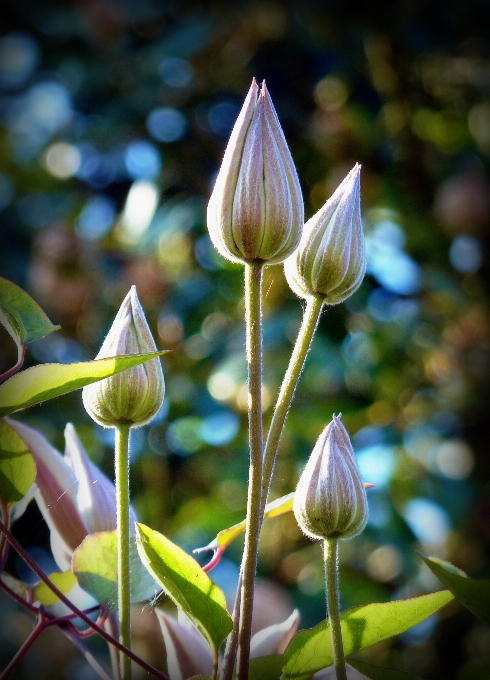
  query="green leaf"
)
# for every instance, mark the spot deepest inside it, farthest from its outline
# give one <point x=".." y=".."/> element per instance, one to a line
<point x="23" y="318"/>
<point x="473" y="593"/>
<point x="310" y="650"/>
<point x="47" y="381"/>
<point x="95" y="566"/>
<point x="17" y="466"/>
<point x="63" y="580"/>
<point x="186" y="584"/>
<point x="266" y="667"/>
<point x="380" y="672"/>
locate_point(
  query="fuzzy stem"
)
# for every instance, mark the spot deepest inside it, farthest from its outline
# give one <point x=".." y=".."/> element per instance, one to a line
<point x="307" y="330"/>
<point x="123" y="575"/>
<point x="232" y="641"/>
<point x="331" y="553"/>
<point x="253" y="315"/>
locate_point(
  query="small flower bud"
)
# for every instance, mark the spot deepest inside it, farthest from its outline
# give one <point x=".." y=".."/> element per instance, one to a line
<point x="134" y="396"/>
<point x="331" y="258"/>
<point x="330" y="499"/>
<point x="256" y="211"/>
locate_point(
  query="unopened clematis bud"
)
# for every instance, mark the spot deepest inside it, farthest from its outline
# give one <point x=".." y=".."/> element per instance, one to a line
<point x="134" y="396"/>
<point x="256" y="210"/>
<point x="74" y="496"/>
<point x="331" y="259"/>
<point x="330" y="499"/>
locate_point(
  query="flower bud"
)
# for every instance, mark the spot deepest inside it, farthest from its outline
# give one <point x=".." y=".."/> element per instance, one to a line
<point x="134" y="396"/>
<point x="331" y="258"/>
<point x="256" y="211"/>
<point x="330" y="499"/>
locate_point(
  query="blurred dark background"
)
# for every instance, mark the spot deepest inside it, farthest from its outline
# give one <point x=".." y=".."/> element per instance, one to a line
<point x="114" y="115"/>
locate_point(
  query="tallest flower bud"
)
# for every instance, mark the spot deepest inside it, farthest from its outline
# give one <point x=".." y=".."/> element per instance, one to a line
<point x="256" y="211"/>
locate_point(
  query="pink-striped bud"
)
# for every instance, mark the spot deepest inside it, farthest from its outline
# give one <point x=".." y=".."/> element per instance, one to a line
<point x="331" y="258"/>
<point x="330" y="499"/>
<point x="256" y="211"/>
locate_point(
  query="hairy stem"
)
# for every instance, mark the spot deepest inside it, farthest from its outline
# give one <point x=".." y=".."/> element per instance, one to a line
<point x="307" y="330"/>
<point x="253" y="314"/>
<point x="331" y="553"/>
<point x="123" y="575"/>
<point x="232" y="641"/>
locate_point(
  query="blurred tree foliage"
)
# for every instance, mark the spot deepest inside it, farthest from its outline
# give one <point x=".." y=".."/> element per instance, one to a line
<point x="114" y="116"/>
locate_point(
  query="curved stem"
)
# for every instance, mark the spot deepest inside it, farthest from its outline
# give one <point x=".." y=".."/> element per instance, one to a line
<point x="307" y="330"/>
<point x="80" y="614"/>
<point x="17" y="366"/>
<point x="123" y="574"/>
<point x="253" y="314"/>
<point x="331" y="553"/>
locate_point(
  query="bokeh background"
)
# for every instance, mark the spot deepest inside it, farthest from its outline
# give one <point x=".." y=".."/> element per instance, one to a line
<point x="114" y="115"/>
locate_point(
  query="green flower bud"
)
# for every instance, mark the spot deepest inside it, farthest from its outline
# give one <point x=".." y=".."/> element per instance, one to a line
<point x="330" y="499"/>
<point x="134" y="396"/>
<point x="331" y="258"/>
<point x="256" y="211"/>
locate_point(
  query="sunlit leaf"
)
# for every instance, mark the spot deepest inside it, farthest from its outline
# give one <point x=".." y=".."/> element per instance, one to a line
<point x="266" y="667"/>
<point x="63" y="580"/>
<point x="186" y="584"/>
<point x="310" y="650"/>
<point x="380" y="672"/>
<point x="95" y="566"/>
<point x="473" y="593"/>
<point x="17" y="466"/>
<point x="22" y="317"/>
<point x="47" y="381"/>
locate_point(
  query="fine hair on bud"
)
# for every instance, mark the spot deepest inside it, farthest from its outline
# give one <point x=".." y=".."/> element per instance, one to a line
<point x="330" y="261"/>
<point x="256" y="210"/>
<point x="134" y="396"/>
<point x="330" y="499"/>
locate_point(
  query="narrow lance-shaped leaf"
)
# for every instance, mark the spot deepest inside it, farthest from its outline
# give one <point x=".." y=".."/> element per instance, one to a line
<point x="47" y="381"/>
<point x="63" y="580"/>
<point x="26" y="319"/>
<point x="223" y="539"/>
<point x="95" y="566"/>
<point x="17" y="466"/>
<point x="473" y="593"/>
<point x="310" y="650"/>
<point x="186" y="584"/>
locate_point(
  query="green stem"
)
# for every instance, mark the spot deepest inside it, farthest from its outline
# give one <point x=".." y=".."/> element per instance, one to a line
<point x="311" y="317"/>
<point x="123" y="575"/>
<point x="331" y="552"/>
<point x="253" y="314"/>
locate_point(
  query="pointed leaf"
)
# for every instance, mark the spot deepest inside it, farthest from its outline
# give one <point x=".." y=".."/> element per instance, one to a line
<point x="380" y="672"/>
<point x="223" y="539"/>
<point x="63" y="580"/>
<point x="186" y="583"/>
<point x="95" y="566"/>
<point x="22" y="317"/>
<point x="310" y="650"/>
<point x="473" y="593"/>
<point x="17" y="466"/>
<point x="47" y="381"/>
<point x="266" y="667"/>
